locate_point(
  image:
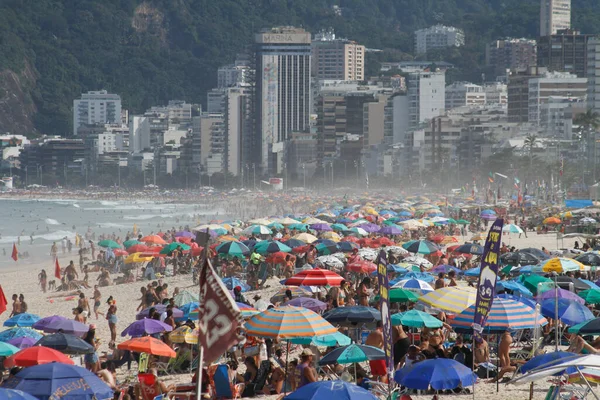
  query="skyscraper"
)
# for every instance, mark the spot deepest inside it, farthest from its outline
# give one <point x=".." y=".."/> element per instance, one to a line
<point x="338" y="59"/>
<point x="555" y="15"/>
<point x="96" y="107"/>
<point x="283" y="65"/>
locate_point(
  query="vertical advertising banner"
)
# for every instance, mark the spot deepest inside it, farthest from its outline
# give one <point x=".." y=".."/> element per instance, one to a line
<point x="384" y="306"/>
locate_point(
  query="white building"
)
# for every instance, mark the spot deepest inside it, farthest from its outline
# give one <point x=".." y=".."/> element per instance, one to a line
<point x="232" y="75"/>
<point x="556" y="115"/>
<point x="496" y="93"/>
<point x="96" y="107"/>
<point x="283" y="104"/>
<point x="177" y="110"/>
<point x="438" y="37"/>
<point x="427" y="96"/>
<point x="553" y="84"/>
<point x="593" y="74"/>
<point x="139" y="133"/>
<point x="554" y="16"/>
<point x="461" y="94"/>
<point x="215" y="101"/>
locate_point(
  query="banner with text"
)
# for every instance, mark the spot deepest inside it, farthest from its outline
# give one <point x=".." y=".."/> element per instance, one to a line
<point x="384" y="306"/>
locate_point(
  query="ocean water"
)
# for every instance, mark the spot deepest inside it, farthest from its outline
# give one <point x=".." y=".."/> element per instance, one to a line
<point x="47" y="221"/>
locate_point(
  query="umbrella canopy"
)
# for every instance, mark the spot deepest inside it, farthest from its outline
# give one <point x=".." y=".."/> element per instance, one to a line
<point x="307" y="302"/>
<point x="551" y="221"/>
<point x="293" y="243"/>
<point x="569" y="312"/>
<point x="513" y="286"/>
<point x="590" y="296"/>
<point x="416" y="319"/>
<point x="148" y="344"/>
<point x="362" y="267"/>
<point x="329" y="340"/>
<point x="271" y="246"/>
<point x="561" y="294"/>
<point x="306" y="237"/>
<point x="323" y="248"/>
<point x="322" y="227"/>
<point x="415" y="285"/>
<point x="17" y="332"/>
<point x="444" y="268"/>
<point x="298" y="227"/>
<point x="339" y="227"/>
<point x="451" y="299"/>
<point x="231" y="283"/>
<point x="504" y="315"/>
<point x="36" y="355"/>
<point x="137" y="258"/>
<point x="569" y="283"/>
<point x="532" y="282"/>
<point x="420" y="246"/>
<point x="7" y="349"/>
<point x="44" y="381"/>
<point x="128" y="243"/>
<point x="315" y="277"/>
<point x="64" y="325"/>
<point x="146" y="326"/>
<point x="159" y="308"/>
<point x="297" y="291"/>
<point x="11" y="394"/>
<point x="111" y="244"/>
<point x="339" y="390"/>
<point x="257" y="230"/>
<point x="22" y="342"/>
<point x="440" y="374"/>
<point x="591" y="258"/>
<point x="24" y="319"/>
<point x="152" y="239"/>
<point x="512" y="228"/>
<point x="591" y="327"/>
<point x="353" y="315"/>
<point x="288" y="322"/>
<point x="391" y="230"/>
<point x="233" y="248"/>
<point x="183" y="334"/>
<point x="65" y="343"/>
<point x="48" y="321"/>
<point x="185" y="297"/>
<point x="592" y="360"/>
<point x="353" y="353"/>
<point x="559" y="265"/>
<point x="399" y="295"/>
<point x="470" y="248"/>
<point x="545" y="359"/>
<point x="169" y="248"/>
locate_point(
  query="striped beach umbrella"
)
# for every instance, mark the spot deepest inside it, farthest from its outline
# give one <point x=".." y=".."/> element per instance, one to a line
<point x="414" y="285"/>
<point x="271" y="246"/>
<point x="235" y="249"/>
<point x="420" y="246"/>
<point x="315" y="277"/>
<point x="246" y="310"/>
<point x="504" y="315"/>
<point x="297" y="291"/>
<point x="288" y="322"/>
<point x="257" y="230"/>
<point x="180" y="335"/>
<point x="451" y="299"/>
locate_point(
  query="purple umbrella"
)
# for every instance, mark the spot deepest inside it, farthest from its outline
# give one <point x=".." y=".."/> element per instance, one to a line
<point x="67" y="326"/>
<point x="370" y="227"/>
<point x="390" y="230"/>
<point x="146" y="326"/>
<point x="562" y="294"/>
<point x="185" y="234"/>
<point x="489" y="217"/>
<point x="307" y="302"/>
<point x="321" y="227"/>
<point x="445" y="269"/>
<point x="22" y="342"/>
<point x="160" y="308"/>
<point x="43" y="323"/>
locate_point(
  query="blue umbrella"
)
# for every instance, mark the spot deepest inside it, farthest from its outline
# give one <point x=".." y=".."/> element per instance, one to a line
<point x="513" y="286"/>
<point x="420" y="246"/>
<point x="353" y="314"/>
<point x="328" y="340"/>
<point x="473" y="272"/>
<point x="19" y="332"/>
<point x="445" y="268"/>
<point x="43" y="381"/>
<point x="440" y="374"/>
<point x="24" y="319"/>
<point x="470" y="248"/>
<point x="187" y="309"/>
<point x="546" y="360"/>
<point x="527" y="301"/>
<point x="65" y="343"/>
<point x="348" y="247"/>
<point x="569" y="312"/>
<point x="353" y="353"/>
<point x="339" y="390"/>
<point x="10" y="394"/>
<point x="420" y="276"/>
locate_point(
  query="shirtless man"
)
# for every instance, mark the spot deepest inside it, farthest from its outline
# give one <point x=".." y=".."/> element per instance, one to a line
<point x="97" y="297"/>
<point x="503" y="355"/>
<point x="375" y="339"/>
<point x="482" y="351"/>
<point x="16" y="306"/>
<point x="440" y="282"/>
<point x="83" y="303"/>
<point x="452" y="278"/>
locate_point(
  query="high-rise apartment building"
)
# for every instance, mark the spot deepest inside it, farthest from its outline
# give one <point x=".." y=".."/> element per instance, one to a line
<point x="426" y="95"/>
<point x="337" y="59"/>
<point x="461" y="94"/>
<point x="553" y="84"/>
<point x="509" y="54"/>
<point x="593" y="74"/>
<point x="283" y="73"/>
<point x="96" y="107"/>
<point x="554" y="16"/>
<point x="518" y="92"/>
<point x="438" y="37"/>
<point x="565" y="51"/>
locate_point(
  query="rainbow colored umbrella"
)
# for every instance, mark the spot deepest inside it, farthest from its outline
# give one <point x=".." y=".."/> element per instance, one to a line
<point x="288" y="322"/>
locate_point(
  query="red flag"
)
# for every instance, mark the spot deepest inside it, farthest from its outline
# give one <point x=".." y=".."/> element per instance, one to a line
<point x="15" y="253"/>
<point x="3" y="301"/>
<point x="56" y="269"/>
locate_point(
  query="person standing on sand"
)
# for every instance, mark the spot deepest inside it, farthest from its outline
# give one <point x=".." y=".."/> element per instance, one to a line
<point x="375" y="339"/>
<point x="24" y="306"/>
<point x="97" y="297"/>
<point x="111" y="316"/>
<point x="83" y="303"/>
<point x="43" y="278"/>
<point x="53" y="250"/>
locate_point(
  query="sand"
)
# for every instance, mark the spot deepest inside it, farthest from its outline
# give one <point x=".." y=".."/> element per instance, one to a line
<point x="24" y="280"/>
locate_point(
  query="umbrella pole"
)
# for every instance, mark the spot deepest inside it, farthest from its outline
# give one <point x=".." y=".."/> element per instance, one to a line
<point x="199" y="379"/>
<point x="587" y="383"/>
<point x="285" y="375"/>
<point x="497" y="363"/>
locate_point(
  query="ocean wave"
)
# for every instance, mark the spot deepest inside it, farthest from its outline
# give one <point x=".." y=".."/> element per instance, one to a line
<point x="50" y="221"/>
<point x="111" y="225"/>
<point x="51" y="237"/>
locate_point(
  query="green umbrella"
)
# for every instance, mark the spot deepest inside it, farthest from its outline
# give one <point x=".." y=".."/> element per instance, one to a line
<point x="185" y="297"/>
<point x="275" y="225"/>
<point x="416" y="319"/>
<point x="591" y="296"/>
<point x="339" y="227"/>
<point x="298" y="227"/>
<point x="129" y="243"/>
<point x="109" y="243"/>
<point x="168" y="249"/>
<point x="451" y="221"/>
<point x="233" y="248"/>
<point x="462" y="222"/>
<point x="400" y="295"/>
<point x="531" y="282"/>
<point x="271" y="246"/>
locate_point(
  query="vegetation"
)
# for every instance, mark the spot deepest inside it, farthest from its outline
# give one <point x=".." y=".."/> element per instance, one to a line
<point x="155" y="50"/>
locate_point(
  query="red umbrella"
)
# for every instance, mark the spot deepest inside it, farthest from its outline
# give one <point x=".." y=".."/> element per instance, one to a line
<point x="383" y="241"/>
<point x="36" y="355"/>
<point x="153" y="239"/>
<point x="352" y="239"/>
<point x="277" y="258"/>
<point x="315" y="277"/>
<point x="301" y="249"/>
<point x="450" y="249"/>
<point x="362" y="267"/>
<point x="437" y="238"/>
<point x="183" y="239"/>
<point x="120" y="252"/>
<point x="196" y="251"/>
<point x="137" y="248"/>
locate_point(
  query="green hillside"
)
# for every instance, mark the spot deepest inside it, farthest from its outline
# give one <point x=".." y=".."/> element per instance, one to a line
<point x="152" y="51"/>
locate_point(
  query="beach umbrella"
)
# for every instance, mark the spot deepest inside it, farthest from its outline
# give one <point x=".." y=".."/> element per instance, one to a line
<point x="185" y="297"/>
<point x="399" y="295"/>
<point x="7" y="349"/>
<point x="525" y="300"/>
<point x="137" y="258"/>
<point x="546" y="359"/>
<point x="233" y="249"/>
<point x="420" y="246"/>
<point x="590" y="296"/>
<point x="531" y="282"/>
<point x="183" y="334"/>
<point x="315" y="277"/>
<point x="187" y="310"/>
<point x="512" y="228"/>
<point x="287" y="221"/>
<point x="560" y="265"/>
<point x="111" y="244"/>
<point x="257" y="230"/>
<point x="569" y="312"/>
<point x="232" y="282"/>
<point x="159" y="308"/>
<point x="11" y="394"/>
<point x="591" y="258"/>
<point x="294" y="243"/>
<point x="275" y="226"/>
<point x="297" y="291"/>
<point x="22" y="342"/>
<point x="351" y="354"/>
<point x="578" y="363"/>
<point x="470" y="248"/>
<point x="271" y="246"/>
<point x="444" y="268"/>
<point x="448" y="240"/>
<point x="328" y="340"/>
<point x="415" y="285"/>
<point x="298" y="227"/>
<point x="513" y="286"/>
<point x="352" y="315"/>
<point x="19" y="332"/>
<point x="416" y="260"/>
<point x="339" y="227"/>
<point x="416" y="319"/>
<point x="451" y="299"/>
<point x="46" y="380"/>
<point x="369" y="227"/>
<point x="138" y="248"/>
<point x="325" y="241"/>
<point x="259" y="221"/>
<point x="591" y="327"/>
<point x="153" y="239"/>
<point x="146" y="326"/>
<point x="132" y="242"/>
<point x="65" y="343"/>
<point x="288" y="322"/>
<point x="147" y="344"/>
<point x="322" y="227"/>
<point x="307" y="302"/>
<point x="504" y="315"/>
<point x="247" y="310"/>
<point x="338" y="389"/>
<point x="567" y="282"/>
<point x="561" y="294"/>
<point x="169" y="248"/>
<point x="348" y="247"/>
<point x="440" y="374"/>
<point x="331" y="236"/>
<point x="362" y="267"/>
<point x="185" y="234"/>
<point x="24" y="319"/>
<point x="65" y="325"/>
<point x="551" y="221"/>
<point x="359" y="231"/>
<point x="36" y="355"/>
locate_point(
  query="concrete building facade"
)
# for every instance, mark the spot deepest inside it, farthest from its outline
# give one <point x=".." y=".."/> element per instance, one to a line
<point x="427" y="95"/>
<point x="553" y="84"/>
<point x="96" y="107"/>
<point x="554" y="16"/>
<point x="509" y="54"/>
<point x="565" y="51"/>
<point x="438" y="37"/>
<point x="337" y="59"/>
<point x="461" y="94"/>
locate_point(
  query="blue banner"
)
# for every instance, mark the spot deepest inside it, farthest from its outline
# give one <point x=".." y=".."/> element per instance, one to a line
<point x="384" y="306"/>
<point x="578" y="203"/>
<point x="488" y="276"/>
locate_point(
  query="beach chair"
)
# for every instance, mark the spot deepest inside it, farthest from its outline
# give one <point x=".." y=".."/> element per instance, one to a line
<point x="224" y="389"/>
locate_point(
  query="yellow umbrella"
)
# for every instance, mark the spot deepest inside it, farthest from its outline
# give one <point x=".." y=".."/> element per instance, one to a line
<point x="306" y="237"/>
<point x="259" y="221"/>
<point x="179" y="334"/>
<point x="331" y="236"/>
<point x="479" y="236"/>
<point x="561" y="265"/>
<point x="451" y="299"/>
<point x="137" y="258"/>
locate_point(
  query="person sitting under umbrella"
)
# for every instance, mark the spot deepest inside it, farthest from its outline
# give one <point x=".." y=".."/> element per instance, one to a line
<point x="579" y="346"/>
<point x="150" y="386"/>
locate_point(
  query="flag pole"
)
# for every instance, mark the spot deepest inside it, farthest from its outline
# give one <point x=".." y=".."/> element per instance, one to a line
<point x="201" y="275"/>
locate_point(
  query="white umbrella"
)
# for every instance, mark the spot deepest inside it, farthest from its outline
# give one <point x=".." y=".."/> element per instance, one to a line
<point x="418" y="261"/>
<point x="397" y="250"/>
<point x="368" y="254"/>
<point x="330" y="261"/>
<point x="589" y="361"/>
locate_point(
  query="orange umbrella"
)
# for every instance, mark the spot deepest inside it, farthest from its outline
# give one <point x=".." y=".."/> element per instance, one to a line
<point x="153" y="239"/>
<point x="36" y="355"/>
<point x="552" y="221"/>
<point x="147" y="344"/>
<point x="449" y="239"/>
